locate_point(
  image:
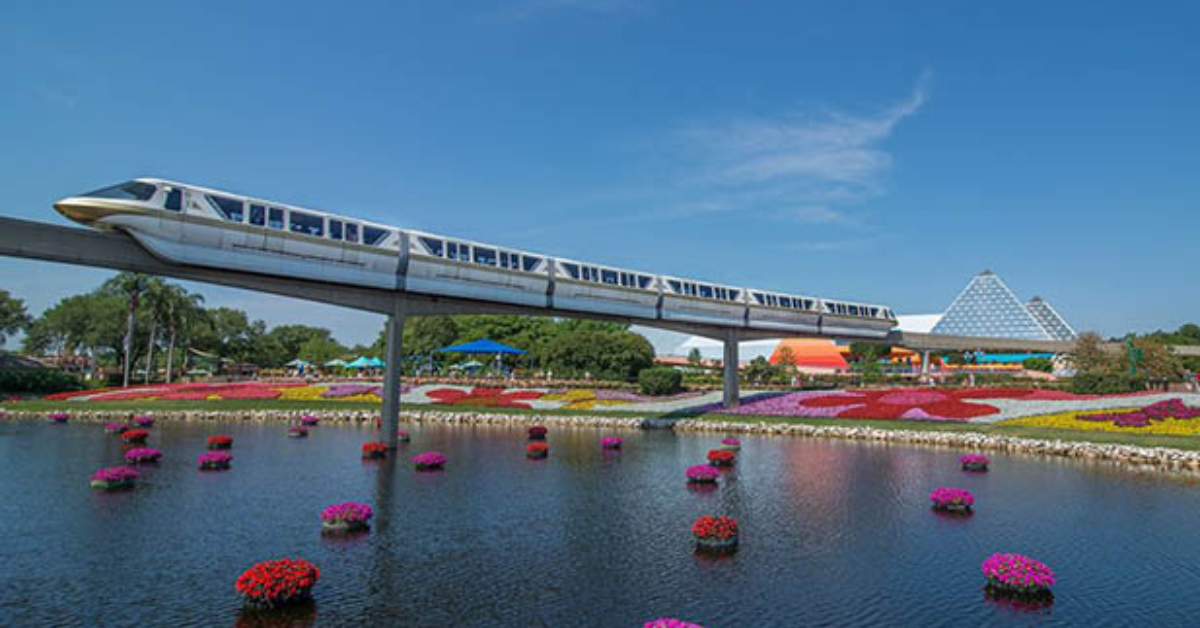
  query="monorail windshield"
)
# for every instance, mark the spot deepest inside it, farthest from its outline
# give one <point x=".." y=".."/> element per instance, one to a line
<point x="128" y="191"/>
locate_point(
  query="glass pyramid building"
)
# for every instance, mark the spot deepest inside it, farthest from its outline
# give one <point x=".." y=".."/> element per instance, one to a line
<point x="987" y="308"/>
<point x="1049" y="319"/>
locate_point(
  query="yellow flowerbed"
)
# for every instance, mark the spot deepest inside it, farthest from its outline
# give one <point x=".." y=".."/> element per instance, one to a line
<point x="301" y="393"/>
<point x="582" y="399"/>
<point x="1067" y="420"/>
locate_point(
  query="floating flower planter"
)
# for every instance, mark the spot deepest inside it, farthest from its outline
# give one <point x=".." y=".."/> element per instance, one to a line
<point x="537" y="451"/>
<point x="278" y="583"/>
<point x="703" y="474"/>
<point x="220" y="441"/>
<point x="114" y="479"/>
<point x="949" y="499"/>
<point x="135" y="435"/>
<point x="611" y="442"/>
<point x="721" y="458"/>
<point x="1014" y="575"/>
<point x="297" y="431"/>
<point x="115" y="428"/>
<point x="403" y="436"/>
<point x="214" y="461"/>
<point x="537" y="432"/>
<point x="144" y="421"/>
<point x="346" y="517"/>
<point x="142" y="455"/>
<point x="974" y="462"/>
<point x="57" y="417"/>
<point x="666" y="622"/>
<point x="732" y="444"/>
<point x="429" y="461"/>
<point x="374" y="451"/>
<point x="309" y="420"/>
<point x="716" y="534"/>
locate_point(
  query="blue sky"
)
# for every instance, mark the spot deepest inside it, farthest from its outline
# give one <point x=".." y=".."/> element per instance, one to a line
<point x="879" y="151"/>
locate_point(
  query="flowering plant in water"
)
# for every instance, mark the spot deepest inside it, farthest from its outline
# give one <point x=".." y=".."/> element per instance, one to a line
<point x="275" y="583"/>
<point x="144" y="421"/>
<point x="975" y="462"/>
<point x="708" y="527"/>
<point x="403" y="436"/>
<point x="611" y="442"/>
<point x="115" y="428"/>
<point x="946" y="498"/>
<point x="115" y="475"/>
<point x="721" y="457"/>
<point x="666" y="622"/>
<point x="309" y="420"/>
<point x="374" y="450"/>
<point x="349" y="512"/>
<point x="537" y="450"/>
<point x="134" y="436"/>
<point x="729" y="440"/>
<point x="537" y="432"/>
<point x="1019" y="574"/>
<point x="57" y="417"/>
<point x="297" y="431"/>
<point x="429" y="460"/>
<point x="143" y="454"/>
<point x="702" y="473"/>
<point x="220" y="441"/>
<point x="214" y="460"/>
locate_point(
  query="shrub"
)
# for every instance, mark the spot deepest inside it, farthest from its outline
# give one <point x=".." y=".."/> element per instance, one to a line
<point x="1045" y="365"/>
<point x="1106" y="383"/>
<point x="39" y="381"/>
<point x="660" y="380"/>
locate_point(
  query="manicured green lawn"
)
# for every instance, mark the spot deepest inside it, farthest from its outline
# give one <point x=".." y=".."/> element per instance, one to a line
<point x="1148" y="440"/>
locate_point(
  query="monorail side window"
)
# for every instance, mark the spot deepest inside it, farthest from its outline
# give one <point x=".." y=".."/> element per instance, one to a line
<point x="503" y="259"/>
<point x="258" y="215"/>
<point x="352" y="235"/>
<point x="733" y="295"/>
<point x="230" y="208"/>
<point x="308" y="224"/>
<point x="486" y="257"/>
<point x="706" y="292"/>
<point x="785" y="302"/>
<point x="131" y="191"/>
<point x="572" y="270"/>
<point x="759" y="297"/>
<point x="174" y="200"/>
<point x="643" y="282"/>
<point x="676" y="287"/>
<point x="373" y="236"/>
<point x="609" y="277"/>
<point x="335" y="229"/>
<point x="275" y="218"/>
<point x="529" y="263"/>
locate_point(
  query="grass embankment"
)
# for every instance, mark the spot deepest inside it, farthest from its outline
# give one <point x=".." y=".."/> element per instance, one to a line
<point x="251" y="405"/>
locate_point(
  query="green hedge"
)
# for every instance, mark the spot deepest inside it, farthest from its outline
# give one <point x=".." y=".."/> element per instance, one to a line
<point x="24" y="381"/>
<point x="1106" y="383"/>
<point x="660" y="380"/>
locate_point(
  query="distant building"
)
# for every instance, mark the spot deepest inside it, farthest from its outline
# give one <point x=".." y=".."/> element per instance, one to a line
<point x="988" y="308"/>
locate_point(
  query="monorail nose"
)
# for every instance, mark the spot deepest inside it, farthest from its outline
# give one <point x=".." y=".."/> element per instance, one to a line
<point x="76" y="209"/>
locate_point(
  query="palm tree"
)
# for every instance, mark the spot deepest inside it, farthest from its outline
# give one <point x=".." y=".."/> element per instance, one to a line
<point x="183" y="307"/>
<point x="132" y="286"/>
<point x="156" y="297"/>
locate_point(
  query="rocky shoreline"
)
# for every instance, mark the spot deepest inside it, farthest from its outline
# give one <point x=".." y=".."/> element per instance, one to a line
<point x="1139" y="458"/>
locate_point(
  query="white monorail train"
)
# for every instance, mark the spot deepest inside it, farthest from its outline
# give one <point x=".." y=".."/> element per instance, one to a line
<point x="200" y="226"/>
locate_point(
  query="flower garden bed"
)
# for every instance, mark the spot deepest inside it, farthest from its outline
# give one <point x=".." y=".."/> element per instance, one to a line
<point x="346" y="517"/>
<point x="143" y="455"/>
<point x="374" y="451"/>
<point x="731" y="443"/>
<point x="537" y="451"/>
<point x="1018" y="576"/>
<point x="278" y="583"/>
<point x="722" y="458"/>
<point x="717" y="535"/>
<point x="220" y="441"/>
<point x="214" y="461"/>
<point x="114" y="479"/>
<point x="611" y="442"/>
<point x="702" y="474"/>
<point x="974" y="462"/>
<point x="309" y="420"/>
<point x="429" y="461"/>
<point x="954" y="500"/>
<point x="537" y="432"/>
<point x="135" y="436"/>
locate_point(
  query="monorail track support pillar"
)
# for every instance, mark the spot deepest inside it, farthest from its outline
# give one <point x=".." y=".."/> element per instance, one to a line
<point x="730" y="398"/>
<point x="390" y="419"/>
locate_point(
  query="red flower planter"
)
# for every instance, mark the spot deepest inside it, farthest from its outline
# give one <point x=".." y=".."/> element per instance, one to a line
<point x="373" y="451"/>
<point x="220" y="442"/>
<point x="278" y="583"/>
<point x="721" y="458"/>
<point x="135" y="436"/>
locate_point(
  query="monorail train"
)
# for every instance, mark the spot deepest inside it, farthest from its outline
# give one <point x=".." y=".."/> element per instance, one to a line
<point x="189" y="224"/>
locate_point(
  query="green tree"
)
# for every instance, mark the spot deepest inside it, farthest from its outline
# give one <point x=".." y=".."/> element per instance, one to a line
<point x="282" y="344"/>
<point x="13" y="317"/>
<point x="425" y="334"/>
<point x="131" y="286"/>
<point x="1090" y="356"/>
<point x="695" y="360"/>
<point x="603" y="354"/>
<point x="183" y="309"/>
<point x="868" y="351"/>
<point x="319" y="350"/>
<point x="86" y="323"/>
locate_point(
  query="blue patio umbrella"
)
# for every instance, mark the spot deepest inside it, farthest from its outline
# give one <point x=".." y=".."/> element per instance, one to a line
<point x="363" y="362"/>
<point x="484" y="346"/>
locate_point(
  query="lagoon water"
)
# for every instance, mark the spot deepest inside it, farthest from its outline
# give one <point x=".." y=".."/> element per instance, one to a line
<point x="833" y="533"/>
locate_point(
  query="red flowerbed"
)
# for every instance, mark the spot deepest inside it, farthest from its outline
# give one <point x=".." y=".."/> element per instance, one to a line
<point x="537" y="450"/>
<point x="179" y="392"/>
<point x="721" y="457"/>
<point x="134" y="436"/>
<point x="275" y="583"/>
<point x="708" y="527"/>
<point x="374" y="450"/>
<point x="219" y="441"/>
<point x="484" y="397"/>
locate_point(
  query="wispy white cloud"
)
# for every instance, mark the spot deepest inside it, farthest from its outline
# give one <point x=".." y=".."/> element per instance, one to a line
<point x="528" y="9"/>
<point x="820" y="215"/>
